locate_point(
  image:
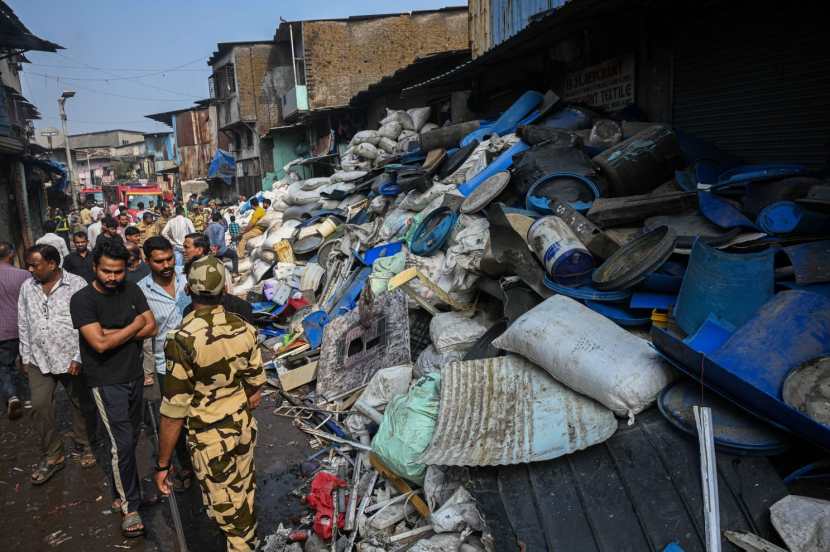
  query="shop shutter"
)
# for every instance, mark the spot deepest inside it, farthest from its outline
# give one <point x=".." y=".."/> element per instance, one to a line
<point x="757" y="88"/>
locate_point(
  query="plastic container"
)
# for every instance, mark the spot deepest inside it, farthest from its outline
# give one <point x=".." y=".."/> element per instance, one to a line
<point x="566" y="259"/>
<point x="641" y="163"/>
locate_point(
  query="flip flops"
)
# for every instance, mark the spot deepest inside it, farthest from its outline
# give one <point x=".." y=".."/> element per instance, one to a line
<point x="45" y="471"/>
<point x="129" y="525"/>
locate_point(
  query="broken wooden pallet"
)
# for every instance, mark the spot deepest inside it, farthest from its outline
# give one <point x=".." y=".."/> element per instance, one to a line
<point x="404" y="280"/>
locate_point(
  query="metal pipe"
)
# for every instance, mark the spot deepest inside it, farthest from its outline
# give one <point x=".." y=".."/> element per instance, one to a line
<point x="174" y="506"/>
<point x="73" y="180"/>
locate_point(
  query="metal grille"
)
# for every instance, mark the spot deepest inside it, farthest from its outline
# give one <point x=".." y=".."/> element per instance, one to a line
<point x="757" y="89"/>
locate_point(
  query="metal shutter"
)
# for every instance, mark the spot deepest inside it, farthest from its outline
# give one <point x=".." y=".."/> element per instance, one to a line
<point x="758" y="88"/>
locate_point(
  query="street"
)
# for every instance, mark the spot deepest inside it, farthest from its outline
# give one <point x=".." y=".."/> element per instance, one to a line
<point x="71" y="511"/>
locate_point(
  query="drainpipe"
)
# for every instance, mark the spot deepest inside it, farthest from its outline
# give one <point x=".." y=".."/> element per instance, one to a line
<point x="23" y="204"/>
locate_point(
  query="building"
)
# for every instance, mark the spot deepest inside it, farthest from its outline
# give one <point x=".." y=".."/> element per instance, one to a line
<point x="243" y="111"/>
<point x="192" y="144"/>
<point x="104" y="157"/>
<point x="22" y="174"/>
<point x="321" y="64"/>
<point x="751" y="81"/>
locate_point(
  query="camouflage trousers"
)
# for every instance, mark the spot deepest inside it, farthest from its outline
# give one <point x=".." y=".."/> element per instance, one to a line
<point x="223" y="460"/>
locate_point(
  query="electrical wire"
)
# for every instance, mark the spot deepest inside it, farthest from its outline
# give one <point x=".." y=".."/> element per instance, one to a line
<point x="131" y="77"/>
<point x="84" y="67"/>
<point x="123" y="96"/>
<point x="72" y="79"/>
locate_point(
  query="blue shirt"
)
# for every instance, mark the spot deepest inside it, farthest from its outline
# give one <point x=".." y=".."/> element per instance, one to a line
<point x="167" y="310"/>
<point x="216" y="234"/>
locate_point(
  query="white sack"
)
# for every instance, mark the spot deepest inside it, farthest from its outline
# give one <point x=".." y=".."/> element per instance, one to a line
<point x="430" y="360"/>
<point x="803" y="523"/>
<point x="419" y="116"/>
<point x="369" y="136"/>
<point x="314" y="183"/>
<point x="406" y="137"/>
<point x="387" y="145"/>
<point x="457" y="513"/>
<point x="366" y="150"/>
<point x="589" y="353"/>
<point x="429" y="127"/>
<point x="391" y="130"/>
<point x="347" y="176"/>
<point x="399" y="116"/>
<point x="454" y="331"/>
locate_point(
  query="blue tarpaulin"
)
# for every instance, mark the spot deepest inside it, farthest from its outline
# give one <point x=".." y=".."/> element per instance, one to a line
<point x="222" y="166"/>
<point x="56" y="168"/>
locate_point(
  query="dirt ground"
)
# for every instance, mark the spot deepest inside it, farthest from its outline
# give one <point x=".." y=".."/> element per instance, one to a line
<point x="71" y="511"/>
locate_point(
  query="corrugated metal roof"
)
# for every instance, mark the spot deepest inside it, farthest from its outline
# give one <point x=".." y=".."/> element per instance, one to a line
<point x="540" y="31"/>
<point x="14" y="34"/>
<point x="506" y="410"/>
<point x="416" y="71"/>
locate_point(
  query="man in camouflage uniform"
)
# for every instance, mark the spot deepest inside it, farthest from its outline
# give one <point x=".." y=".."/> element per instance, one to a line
<point x="214" y="376"/>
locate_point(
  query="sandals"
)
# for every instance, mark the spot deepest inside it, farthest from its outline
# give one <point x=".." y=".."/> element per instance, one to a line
<point x="45" y="471"/>
<point x="88" y="459"/>
<point x="132" y="526"/>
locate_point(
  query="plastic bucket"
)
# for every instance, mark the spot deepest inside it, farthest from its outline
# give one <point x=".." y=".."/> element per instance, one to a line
<point x="284" y="252"/>
<point x="566" y="259"/>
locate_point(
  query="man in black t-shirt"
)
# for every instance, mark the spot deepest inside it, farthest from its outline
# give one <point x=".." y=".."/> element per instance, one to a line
<point x="113" y="319"/>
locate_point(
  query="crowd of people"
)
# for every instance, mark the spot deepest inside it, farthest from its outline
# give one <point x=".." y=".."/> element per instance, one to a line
<point x="141" y="300"/>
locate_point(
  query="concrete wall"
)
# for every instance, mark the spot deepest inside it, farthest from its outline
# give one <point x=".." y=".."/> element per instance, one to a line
<point x="110" y="138"/>
<point x="344" y="57"/>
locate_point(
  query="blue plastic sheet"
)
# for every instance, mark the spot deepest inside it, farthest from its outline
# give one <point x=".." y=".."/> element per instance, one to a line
<point x="787" y="217"/>
<point x="730" y="286"/>
<point x="710" y="335"/>
<point x="501" y="163"/>
<point x="720" y="212"/>
<point x="223" y="166"/>
<point x="313" y="326"/>
<point x="521" y="112"/>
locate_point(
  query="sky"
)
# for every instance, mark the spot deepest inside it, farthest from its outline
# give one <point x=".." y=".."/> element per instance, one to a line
<point x="126" y="59"/>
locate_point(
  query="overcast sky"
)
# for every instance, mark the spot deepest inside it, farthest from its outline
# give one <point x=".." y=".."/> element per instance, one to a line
<point x="154" y="51"/>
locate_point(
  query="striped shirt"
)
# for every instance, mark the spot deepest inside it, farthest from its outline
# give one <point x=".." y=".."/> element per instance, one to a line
<point x="167" y="310"/>
<point x="11" y="278"/>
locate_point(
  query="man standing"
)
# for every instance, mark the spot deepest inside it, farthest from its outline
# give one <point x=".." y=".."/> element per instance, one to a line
<point x="197" y="216"/>
<point x="176" y="229"/>
<point x="252" y="230"/>
<point x="123" y="223"/>
<point x="79" y="262"/>
<point x="49" y="351"/>
<point x="11" y="279"/>
<point x="113" y="319"/>
<point x="52" y="238"/>
<point x="97" y="212"/>
<point x="214" y="380"/>
<point x="166" y="293"/>
<point x="109" y="231"/>
<point x="93" y="231"/>
<point x="132" y="235"/>
<point x="147" y="228"/>
<point x="216" y="235"/>
<point x="86" y="215"/>
<point x="137" y="269"/>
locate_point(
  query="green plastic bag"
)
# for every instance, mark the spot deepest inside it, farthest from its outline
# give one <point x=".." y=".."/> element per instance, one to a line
<point x="407" y="427"/>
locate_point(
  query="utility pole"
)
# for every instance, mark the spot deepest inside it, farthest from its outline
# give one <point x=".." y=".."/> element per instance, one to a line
<point x="73" y="181"/>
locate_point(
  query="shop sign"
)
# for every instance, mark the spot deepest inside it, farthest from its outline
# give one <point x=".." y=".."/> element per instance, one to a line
<point x="609" y="85"/>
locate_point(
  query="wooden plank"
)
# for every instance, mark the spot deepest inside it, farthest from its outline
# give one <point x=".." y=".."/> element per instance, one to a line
<point x="619" y="211"/>
<point x="299" y="376"/>
<point x="403" y="280"/>
<point x="399" y="484"/>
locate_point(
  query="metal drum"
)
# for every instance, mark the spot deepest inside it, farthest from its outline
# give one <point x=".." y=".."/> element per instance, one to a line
<point x="566" y="259"/>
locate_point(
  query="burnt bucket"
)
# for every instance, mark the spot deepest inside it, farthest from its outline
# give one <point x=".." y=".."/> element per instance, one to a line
<point x="566" y="259"/>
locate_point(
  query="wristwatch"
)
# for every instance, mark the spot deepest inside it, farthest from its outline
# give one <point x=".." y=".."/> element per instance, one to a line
<point x="162" y="468"/>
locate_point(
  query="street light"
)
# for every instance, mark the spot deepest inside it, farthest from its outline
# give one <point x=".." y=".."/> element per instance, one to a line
<point x="72" y="179"/>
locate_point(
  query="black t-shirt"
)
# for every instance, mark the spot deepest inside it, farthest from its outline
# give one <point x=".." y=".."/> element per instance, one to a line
<point x="113" y="311"/>
<point x="81" y="266"/>
<point x="139" y="273"/>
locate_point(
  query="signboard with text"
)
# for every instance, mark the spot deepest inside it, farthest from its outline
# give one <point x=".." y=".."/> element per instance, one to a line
<point x="609" y="85"/>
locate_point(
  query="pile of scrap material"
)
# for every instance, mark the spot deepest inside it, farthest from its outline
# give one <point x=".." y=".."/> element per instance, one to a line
<point x="516" y="291"/>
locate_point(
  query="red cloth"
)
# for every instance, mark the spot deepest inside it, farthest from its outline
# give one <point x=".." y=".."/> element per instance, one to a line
<point x="319" y="498"/>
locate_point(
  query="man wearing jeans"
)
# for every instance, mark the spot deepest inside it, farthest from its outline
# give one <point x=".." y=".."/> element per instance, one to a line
<point x="176" y="229"/>
<point x="216" y="234"/>
<point x="113" y="319"/>
<point x="11" y="278"/>
<point x="49" y="351"/>
<point x="166" y="291"/>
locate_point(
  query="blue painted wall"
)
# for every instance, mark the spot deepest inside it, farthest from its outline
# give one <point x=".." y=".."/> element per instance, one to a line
<point x="508" y="17"/>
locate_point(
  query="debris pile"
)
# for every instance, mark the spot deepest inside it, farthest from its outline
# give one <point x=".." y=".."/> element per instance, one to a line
<point x="515" y="291"/>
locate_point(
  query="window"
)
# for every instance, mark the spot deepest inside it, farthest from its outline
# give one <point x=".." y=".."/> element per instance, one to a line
<point x="222" y="83"/>
<point x="249" y="138"/>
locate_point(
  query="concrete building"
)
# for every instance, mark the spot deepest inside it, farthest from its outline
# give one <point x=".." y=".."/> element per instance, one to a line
<point x="243" y="110"/>
<point x="22" y="173"/>
<point x="321" y="64"/>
